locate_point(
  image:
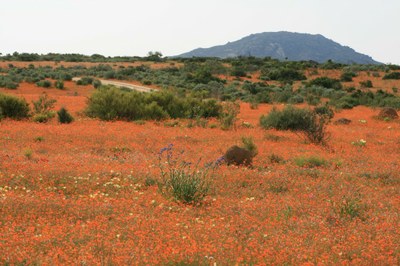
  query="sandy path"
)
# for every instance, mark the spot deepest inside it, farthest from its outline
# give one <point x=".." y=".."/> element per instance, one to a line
<point x="122" y="84"/>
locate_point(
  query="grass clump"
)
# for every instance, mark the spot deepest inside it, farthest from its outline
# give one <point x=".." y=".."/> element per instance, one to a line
<point x="351" y="207"/>
<point x="28" y="153"/>
<point x="310" y="162"/>
<point x="185" y="182"/>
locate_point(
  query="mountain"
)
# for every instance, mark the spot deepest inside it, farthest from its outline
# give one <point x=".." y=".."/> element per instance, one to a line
<point x="285" y="46"/>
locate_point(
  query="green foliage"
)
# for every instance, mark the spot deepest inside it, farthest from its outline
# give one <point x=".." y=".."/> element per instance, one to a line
<point x="366" y="84"/>
<point x="96" y="83"/>
<point x="347" y="76"/>
<point x="351" y="207"/>
<point x="44" y="83"/>
<point x="13" y="107"/>
<point x="42" y="117"/>
<point x="84" y="81"/>
<point x="392" y="75"/>
<point x="326" y="82"/>
<point x="44" y="104"/>
<point x="42" y="108"/>
<point x="249" y="145"/>
<point x="64" y="117"/>
<point x="290" y="118"/>
<point x="110" y="103"/>
<point x="306" y="122"/>
<point x="59" y="84"/>
<point x="283" y="74"/>
<point x="310" y="162"/>
<point x="184" y="181"/>
<point x="8" y="82"/>
<point x="324" y="110"/>
<point x="229" y="113"/>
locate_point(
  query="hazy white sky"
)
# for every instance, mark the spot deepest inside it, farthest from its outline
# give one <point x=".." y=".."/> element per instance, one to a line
<point x="123" y="27"/>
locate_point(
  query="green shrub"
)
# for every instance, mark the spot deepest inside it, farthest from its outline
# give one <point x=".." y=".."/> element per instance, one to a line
<point x="324" y="110"/>
<point x="44" y="104"/>
<point x="326" y="83"/>
<point x="306" y="122"/>
<point x="96" y="83"/>
<point x="84" y="81"/>
<point x="110" y="103"/>
<point x="64" y="117"/>
<point x="347" y="76"/>
<point x="366" y="84"/>
<point x="283" y="74"/>
<point x="8" y="82"/>
<point x="290" y="118"/>
<point x="392" y="75"/>
<point x="44" y="83"/>
<point x="59" y="84"/>
<point x="13" y="107"/>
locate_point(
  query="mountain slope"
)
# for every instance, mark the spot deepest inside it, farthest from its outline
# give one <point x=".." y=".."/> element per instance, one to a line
<point x="285" y="46"/>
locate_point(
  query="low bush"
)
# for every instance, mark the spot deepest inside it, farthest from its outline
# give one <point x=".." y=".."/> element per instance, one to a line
<point x="110" y="103"/>
<point x="326" y="82"/>
<point x="282" y="74"/>
<point x="290" y="118"/>
<point x="13" y="107"/>
<point x="84" y="81"/>
<point x="366" y="84"/>
<point x="59" y="84"/>
<point x="44" y="83"/>
<point x="304" y="121"/>
<point x="64" y="117"/>
<point x="347" y="76"/>
<point x="392" y="75"/>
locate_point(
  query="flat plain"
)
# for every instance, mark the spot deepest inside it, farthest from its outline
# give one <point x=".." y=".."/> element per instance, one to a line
<point x="86" y="193"/>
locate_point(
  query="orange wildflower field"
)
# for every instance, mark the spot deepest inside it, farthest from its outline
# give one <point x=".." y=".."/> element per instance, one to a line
<point x="86" y="193"/>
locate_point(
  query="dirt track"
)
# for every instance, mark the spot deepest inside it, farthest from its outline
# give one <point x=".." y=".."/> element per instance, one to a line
<point x="122" y="84"/>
